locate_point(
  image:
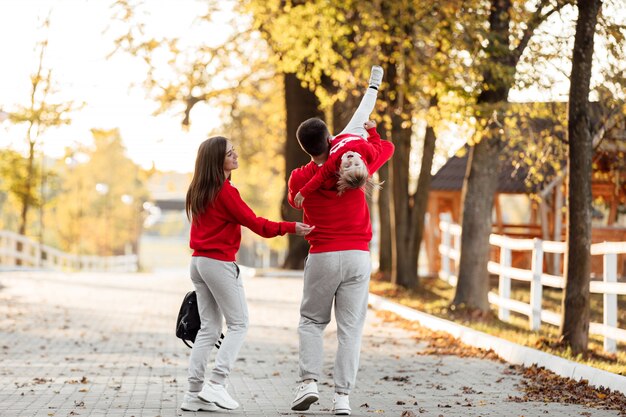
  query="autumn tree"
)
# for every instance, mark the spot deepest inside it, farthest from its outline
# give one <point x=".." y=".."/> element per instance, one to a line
<point x="44" y="110"/>
<point x="99" y="211"/>
<point x="575" y="322"/>
<point x="532" y="49"/>
<point x="13" y="170"/>
<point x="332" y="47"/>
<point x="417" y="48"/>
<point x="501" y="39"/>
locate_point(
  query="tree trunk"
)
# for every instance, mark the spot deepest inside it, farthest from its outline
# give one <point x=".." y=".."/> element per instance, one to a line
<point x="575" y="322"/>
<point x="26" y="198"/>
<point x="420" y="199"/>
<point x="479" y="185"/>
<point x="404" y="272"/>
<point x="300" y="105"/>
<point x="385" y="212"/>
<point x="404" y="259"/>
<point x="481" y="178"/>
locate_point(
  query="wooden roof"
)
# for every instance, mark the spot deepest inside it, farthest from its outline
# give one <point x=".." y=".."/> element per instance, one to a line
<point x="450" y="176"/>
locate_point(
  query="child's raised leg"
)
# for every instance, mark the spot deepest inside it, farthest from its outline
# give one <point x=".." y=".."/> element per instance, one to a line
<point x="366" y="106"/>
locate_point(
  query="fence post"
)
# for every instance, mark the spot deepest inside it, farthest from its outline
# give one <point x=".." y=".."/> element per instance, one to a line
<point x="445" y="219"/>
<point x="12" y="244"/>
<point x="38" y="255"/>
<point x="535" y="285"/>
<point x="504" y="285"/>
<point x="266" y="256"/>
<point x="610" y="300"/>
<point x="456" y="244"/>
<point x="4" y="248"/>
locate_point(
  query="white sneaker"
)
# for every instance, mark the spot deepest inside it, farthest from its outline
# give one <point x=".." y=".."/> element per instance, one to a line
<point x="306" y="394"/>
<point x="341" y="405"/>
<point x="376" y="76"/>
<point x="191" y="402"/>
<point x="217" y="394"/>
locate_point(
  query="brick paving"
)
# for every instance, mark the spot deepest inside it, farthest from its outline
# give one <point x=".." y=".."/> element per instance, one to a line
<point x="103" y="345"/>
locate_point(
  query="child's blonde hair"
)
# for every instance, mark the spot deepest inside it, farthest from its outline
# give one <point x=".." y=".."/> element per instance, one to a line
<point x="356" y="178"/>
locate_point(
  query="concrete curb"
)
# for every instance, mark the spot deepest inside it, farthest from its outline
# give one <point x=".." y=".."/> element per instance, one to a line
<point x="508" y="351"/>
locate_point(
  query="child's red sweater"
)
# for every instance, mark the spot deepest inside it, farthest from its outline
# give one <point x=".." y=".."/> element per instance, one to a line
<point x="216" y="233"/>
<point x="368" y="149"/>
<point x="341" y="222"/>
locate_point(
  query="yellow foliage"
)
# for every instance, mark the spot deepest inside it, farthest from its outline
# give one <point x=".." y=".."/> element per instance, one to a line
<point x="98" y="211"/>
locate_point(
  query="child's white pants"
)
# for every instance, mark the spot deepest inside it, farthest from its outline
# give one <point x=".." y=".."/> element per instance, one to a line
<point x="362" y="114"/>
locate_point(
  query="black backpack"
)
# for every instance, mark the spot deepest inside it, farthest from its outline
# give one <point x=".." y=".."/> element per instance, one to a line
<point x="188" y="321"/>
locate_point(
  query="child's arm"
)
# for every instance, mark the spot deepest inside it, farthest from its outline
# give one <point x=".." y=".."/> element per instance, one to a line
<point x="328" y="170"/>
<point x="384" y="148"/>
<point x="374" y="140"/>
<point x="297" y="180"/>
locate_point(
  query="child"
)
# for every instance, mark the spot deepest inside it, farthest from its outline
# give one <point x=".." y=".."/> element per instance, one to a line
<point x="350" y="151"/>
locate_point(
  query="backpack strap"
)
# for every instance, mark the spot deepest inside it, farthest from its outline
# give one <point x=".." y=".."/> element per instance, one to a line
<point x="217" y="344"/>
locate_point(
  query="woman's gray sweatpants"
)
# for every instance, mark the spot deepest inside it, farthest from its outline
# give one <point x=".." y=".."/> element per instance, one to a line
<point x="220" y="293"/>
<point x="341" y="277"/>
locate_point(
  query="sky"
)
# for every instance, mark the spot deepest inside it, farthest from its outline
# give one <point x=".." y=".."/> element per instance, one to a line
<point x="77" y="55"/>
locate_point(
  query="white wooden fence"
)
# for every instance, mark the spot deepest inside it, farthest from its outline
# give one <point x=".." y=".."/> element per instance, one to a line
<point x="34" y="254"/>
<point x="450" y="254"/>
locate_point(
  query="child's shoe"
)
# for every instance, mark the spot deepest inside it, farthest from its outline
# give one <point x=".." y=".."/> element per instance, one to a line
<point x="376" y="76"/>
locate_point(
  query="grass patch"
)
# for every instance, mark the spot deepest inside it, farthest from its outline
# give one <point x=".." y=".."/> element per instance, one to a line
<point x="434" y="296"/>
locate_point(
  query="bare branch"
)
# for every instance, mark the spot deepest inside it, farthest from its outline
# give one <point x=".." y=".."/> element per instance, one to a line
<point x="535" y="21"/>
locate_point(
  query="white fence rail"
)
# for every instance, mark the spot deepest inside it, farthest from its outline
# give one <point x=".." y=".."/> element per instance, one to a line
<point x="450" y="254"/>
<point x="19" y="250"/>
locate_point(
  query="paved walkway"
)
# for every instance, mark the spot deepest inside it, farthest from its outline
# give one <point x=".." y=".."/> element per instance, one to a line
<point x="103" y="345"/>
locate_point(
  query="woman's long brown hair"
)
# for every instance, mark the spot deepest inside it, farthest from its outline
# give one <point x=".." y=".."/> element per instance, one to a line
<point x="208" y="176"/>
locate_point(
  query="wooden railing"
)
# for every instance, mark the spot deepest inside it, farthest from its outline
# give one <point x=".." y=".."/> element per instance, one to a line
<point x="17" y="250"/>
<point x="450" y="254"/>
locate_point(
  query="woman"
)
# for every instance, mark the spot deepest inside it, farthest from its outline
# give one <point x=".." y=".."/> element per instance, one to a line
<point x="217" y="212"/>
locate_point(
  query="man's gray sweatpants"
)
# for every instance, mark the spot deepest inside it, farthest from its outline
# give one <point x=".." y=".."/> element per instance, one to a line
<point x="341" y="277"/>
<point x="220" y="293"/>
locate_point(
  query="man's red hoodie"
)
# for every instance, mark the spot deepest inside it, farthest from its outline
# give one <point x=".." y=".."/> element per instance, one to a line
<point x="341" y="222"/>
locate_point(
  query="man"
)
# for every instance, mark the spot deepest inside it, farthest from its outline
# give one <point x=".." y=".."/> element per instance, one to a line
<point x="337" y="269"/>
